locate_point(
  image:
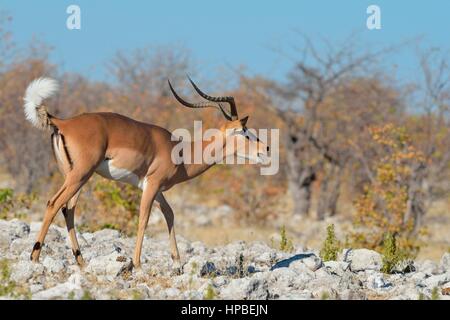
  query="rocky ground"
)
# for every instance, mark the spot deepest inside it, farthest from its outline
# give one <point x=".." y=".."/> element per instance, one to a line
<point x="238" y="270"/>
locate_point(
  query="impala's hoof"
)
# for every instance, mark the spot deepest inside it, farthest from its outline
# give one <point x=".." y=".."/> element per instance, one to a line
<point x="177" y="269"/>
<point x="176" y="272"/>
<point x="78" y="258"/>
<point x="81" y="263"/>
<point x="34" y="260"/>
<point x="34" y="256"/>
<point x="126" y="269"/>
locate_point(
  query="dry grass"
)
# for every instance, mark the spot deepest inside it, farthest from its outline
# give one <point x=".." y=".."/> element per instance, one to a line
<point x="437" y="239"/>
<point x="217" y="235"/>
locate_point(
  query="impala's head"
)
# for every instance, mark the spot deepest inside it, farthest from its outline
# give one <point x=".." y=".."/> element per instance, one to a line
<point x="247" y="145"/>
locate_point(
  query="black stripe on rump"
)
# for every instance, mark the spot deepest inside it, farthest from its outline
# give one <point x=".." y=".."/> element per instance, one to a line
<point x="66" y="151"/>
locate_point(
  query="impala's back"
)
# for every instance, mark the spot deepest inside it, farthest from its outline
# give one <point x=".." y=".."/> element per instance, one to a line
<point x="124" y="149"/>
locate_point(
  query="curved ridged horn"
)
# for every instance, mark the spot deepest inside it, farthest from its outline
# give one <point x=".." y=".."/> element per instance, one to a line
<point x="198" y="104"/>
<point x="229" y="100"/>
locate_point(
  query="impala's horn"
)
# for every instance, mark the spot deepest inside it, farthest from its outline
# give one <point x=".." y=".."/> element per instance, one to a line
<point x="199" y="104"/>
<point x="229" y="100"/>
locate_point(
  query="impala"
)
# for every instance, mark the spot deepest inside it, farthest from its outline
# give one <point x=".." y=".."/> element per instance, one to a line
<point x="122" y="149"/>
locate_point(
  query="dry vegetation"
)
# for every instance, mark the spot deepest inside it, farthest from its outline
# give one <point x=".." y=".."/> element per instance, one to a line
<point x="356" y="145"/>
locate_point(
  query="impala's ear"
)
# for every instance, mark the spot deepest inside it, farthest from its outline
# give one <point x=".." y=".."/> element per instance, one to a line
<point x="243" y="121"/>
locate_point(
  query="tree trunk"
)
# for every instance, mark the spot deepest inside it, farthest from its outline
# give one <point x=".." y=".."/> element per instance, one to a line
<point x="301" y="197"/>
<point x="329" y="194"/>
<point x="300" y="178"/>
<point x="415" y="207"/>
<point x="335" y="192"/>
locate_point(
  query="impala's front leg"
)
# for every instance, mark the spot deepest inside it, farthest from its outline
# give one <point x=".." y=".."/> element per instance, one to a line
<point x="168" y="215"/>
<point x="148" y="195"/>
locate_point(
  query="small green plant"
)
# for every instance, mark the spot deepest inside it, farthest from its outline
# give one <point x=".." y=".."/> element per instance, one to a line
<point x="331" y="245"/>
<point x="71" y="295"/>
<point x="392" y="256"/>
<point x="136" y="295"/>
<point x="194" y="270"/>
<point x="435" y="294"/>
<point x="6" y="202"/>
<point x="4" y="270"/>
<point x="6" y="194"/>
<point x="210" y="293"/>
<point x="110" y="226"/>
<point x="7" y="287"/>
<point x="421" y="296"/>
<point x="285" y="243"/>
<point x="10" y="203"/>
<point x="86" y="295"/>
<point x="325" y="296"/>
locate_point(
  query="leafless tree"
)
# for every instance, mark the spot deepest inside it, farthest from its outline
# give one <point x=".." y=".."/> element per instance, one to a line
<point x="431" y="98"/>
<point x="145" y="70"/>
<point x="317" y="78"/>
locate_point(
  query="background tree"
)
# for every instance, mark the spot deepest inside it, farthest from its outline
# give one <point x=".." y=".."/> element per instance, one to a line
<point x="315" y="107"/>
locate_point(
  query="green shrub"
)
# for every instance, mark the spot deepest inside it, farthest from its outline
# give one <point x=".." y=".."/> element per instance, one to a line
<point x="118" y="207"/>
<point x="87" y="295"/>
<point x="7" y="287"/>
<point x="392" y="255"/>
<point x="110" y="226"/>
<point x="435" y="294"/>
<point x="210" y="293"/>
<point x="136" y="295"/>
<point x="10" y="203"/>
<point x="6" y="202"/>
<point x="6" y="194"/>
<point x="325" y="296"/>
<point x="331" y="245"/>
<point x="285" y="243"/>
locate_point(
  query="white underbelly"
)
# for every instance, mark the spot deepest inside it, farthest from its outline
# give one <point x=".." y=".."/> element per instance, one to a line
<point x="107" y="170"/>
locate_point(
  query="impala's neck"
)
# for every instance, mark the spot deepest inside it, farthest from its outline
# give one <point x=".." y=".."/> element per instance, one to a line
<point x="195" y="169"/>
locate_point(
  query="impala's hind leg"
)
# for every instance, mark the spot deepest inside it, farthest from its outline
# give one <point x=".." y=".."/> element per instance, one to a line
<point x="69" y="216"/>
<point x="74" y="181"/>
<point x="65" y="166"/>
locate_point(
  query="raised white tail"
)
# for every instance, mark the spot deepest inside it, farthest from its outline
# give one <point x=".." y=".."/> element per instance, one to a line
<point x="36" y="92"/>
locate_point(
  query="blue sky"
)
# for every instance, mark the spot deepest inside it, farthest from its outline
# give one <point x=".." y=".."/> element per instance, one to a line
<point x="220" y="33"/>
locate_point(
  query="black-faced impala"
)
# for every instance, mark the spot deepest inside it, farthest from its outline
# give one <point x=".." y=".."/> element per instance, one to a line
<point x="122" y="149"/>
